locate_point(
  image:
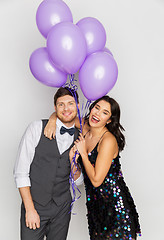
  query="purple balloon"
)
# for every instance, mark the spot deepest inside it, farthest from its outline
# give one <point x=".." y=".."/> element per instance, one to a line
<point x="67" y="47"/>
<point x="44" y="70"/>
<point x="51" y="12"/>
<point x="107" y="51"/>
<point x="98" y="75"/>
<point x="94" y="33"/>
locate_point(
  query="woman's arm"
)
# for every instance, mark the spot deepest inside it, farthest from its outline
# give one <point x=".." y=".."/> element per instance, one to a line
<point x="50" y="128"/>
<point x="107" y="149"/>
<point x="76" y="171"/>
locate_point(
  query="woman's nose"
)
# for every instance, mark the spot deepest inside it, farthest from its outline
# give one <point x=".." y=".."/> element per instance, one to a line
<point x="98" y="112"/>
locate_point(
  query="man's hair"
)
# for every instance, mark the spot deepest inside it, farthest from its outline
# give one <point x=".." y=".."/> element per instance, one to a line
<point x="65" y="91"/>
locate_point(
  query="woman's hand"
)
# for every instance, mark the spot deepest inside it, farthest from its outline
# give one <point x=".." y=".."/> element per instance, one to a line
<point x="50" y="128"/>
<point x="72" y="153"/>
<point x="81" y="145"/>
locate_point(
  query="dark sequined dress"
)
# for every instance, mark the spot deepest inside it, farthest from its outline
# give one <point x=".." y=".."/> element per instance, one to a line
<point x="111" y="210"/>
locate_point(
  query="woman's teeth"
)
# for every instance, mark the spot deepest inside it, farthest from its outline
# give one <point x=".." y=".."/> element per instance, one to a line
<point x="95" y="118"/>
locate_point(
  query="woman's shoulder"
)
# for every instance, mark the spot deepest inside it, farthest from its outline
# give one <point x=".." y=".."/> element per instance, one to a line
<point x="108" y="144"/>
<point x="108" y="138"/>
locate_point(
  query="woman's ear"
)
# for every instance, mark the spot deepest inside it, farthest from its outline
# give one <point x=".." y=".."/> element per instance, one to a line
<point x="108" y="121"/>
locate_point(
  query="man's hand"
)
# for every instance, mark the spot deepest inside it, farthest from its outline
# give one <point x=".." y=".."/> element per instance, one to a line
<point x="32" y="219"/>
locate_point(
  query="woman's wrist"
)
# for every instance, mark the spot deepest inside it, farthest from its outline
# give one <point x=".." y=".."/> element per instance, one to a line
<point x="84" y="155"/>
<point x="52" y="120"/>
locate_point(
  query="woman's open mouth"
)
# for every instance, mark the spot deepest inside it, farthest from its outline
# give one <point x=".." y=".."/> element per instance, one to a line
<point x="94" y="119"/>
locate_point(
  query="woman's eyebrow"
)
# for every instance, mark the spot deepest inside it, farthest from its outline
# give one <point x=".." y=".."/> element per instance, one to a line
<point x="106" y="111"/>
<point x="103" y="109"/>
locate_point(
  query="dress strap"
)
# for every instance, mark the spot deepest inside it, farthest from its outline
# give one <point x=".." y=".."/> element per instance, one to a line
<point x="102" y="135"/>
<point x="86" y="133"/>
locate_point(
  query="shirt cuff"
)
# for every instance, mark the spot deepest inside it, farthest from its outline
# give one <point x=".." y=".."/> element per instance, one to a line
<point x="22" y="182"/>
<point x="80" y="180"/>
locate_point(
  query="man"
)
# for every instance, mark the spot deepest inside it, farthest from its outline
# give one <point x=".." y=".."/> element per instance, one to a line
<point x="42" y="171"/>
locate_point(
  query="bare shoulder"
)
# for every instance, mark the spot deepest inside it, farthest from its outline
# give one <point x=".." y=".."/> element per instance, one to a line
<point x="109" y="141"/>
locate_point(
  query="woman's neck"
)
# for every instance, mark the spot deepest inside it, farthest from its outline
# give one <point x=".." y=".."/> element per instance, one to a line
<point x="96" y="132"/>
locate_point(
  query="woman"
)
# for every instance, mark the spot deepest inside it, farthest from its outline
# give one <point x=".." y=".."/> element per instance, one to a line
<point x="111" y="210"/>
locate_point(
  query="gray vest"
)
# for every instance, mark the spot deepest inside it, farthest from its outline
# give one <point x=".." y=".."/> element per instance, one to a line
<point x="49" y="172"/>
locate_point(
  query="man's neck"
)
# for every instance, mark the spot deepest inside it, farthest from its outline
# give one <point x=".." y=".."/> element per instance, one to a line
<point x="67" y="124"/>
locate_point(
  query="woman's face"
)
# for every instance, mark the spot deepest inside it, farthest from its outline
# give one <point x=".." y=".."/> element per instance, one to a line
<point x="100" y="114"/>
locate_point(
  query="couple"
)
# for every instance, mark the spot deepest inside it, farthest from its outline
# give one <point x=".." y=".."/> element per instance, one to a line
<point x="43" y="166"/>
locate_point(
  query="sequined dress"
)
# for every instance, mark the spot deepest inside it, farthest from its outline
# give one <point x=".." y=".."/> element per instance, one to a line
<point x="111" y="210"/>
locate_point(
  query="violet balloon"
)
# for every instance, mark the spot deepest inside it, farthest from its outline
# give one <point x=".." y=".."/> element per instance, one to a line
<point x="67" y="47"/>
<point x="107" y="51"/>
<point x="98" y="75"/>
<point x="44" y="70"/>
<point x="94" y="33"/>
<point x="50" y="13"/>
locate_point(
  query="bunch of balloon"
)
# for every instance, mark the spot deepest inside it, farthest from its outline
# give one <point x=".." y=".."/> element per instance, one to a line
<point x="72" y="47"/>
<point x="50" y="15"/>
<point x="98" y="74"/>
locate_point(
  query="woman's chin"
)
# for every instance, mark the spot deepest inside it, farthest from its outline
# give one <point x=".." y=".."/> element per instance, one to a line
<point x="93" y="124"/>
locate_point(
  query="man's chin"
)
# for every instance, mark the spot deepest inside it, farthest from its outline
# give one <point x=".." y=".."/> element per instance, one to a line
<point x="67" y="119"/>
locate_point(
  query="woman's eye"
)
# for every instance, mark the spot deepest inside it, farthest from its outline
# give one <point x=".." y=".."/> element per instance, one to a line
<point x="105" y="113"/>
<point x="96" y="107"/>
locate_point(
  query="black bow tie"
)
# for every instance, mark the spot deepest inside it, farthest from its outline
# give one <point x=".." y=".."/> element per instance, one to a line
<point x="63" y="130"/>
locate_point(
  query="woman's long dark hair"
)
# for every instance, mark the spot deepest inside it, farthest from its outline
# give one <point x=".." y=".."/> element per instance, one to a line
<point x="114" y="126"/>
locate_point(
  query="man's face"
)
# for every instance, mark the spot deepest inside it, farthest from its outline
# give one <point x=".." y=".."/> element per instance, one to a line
<point x="66" y="109"/>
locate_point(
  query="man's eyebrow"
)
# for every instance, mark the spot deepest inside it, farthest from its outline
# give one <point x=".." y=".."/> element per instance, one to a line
<point x="68" y="102"/>
<point x="59" y="102"/>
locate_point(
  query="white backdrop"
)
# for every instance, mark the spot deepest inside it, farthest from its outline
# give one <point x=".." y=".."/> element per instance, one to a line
<point x="135" y="35"/>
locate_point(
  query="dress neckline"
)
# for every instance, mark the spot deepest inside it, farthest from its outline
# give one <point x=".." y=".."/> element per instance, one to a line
<point x="96" y="143"/>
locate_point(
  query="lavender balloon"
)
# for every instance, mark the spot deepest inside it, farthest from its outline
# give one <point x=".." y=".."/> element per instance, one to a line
<point x="107" y="51"/>
<point x="67" y="47"/>
<point x="44" y="70"/>
<point x="94" y="33"/>
<point x="51" y="12"/>
<point x="98" y="75"/>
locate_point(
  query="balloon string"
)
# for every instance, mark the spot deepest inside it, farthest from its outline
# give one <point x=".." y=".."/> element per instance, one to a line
<point x="73" y="88"/>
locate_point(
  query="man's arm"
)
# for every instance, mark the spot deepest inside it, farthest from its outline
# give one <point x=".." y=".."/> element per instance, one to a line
<point x="32" y="218"/>
<point x="24" y="159"/>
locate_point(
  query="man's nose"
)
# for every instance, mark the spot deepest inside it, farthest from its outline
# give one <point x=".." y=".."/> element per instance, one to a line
<point x="65" y="107"/>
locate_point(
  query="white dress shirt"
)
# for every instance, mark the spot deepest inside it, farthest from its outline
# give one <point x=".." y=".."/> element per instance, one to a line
<point x="27" y="147"/>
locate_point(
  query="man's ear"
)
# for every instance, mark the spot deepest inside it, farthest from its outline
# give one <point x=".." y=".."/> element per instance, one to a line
<point x="78" y="105"/>
<point x="55" y="108"/>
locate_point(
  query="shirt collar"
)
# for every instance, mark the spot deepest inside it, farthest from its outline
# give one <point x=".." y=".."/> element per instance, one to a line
<point x="59" y="124"/>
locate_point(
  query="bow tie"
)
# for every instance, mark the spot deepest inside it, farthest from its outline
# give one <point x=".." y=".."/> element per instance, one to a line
<point x="63" y="130"/>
